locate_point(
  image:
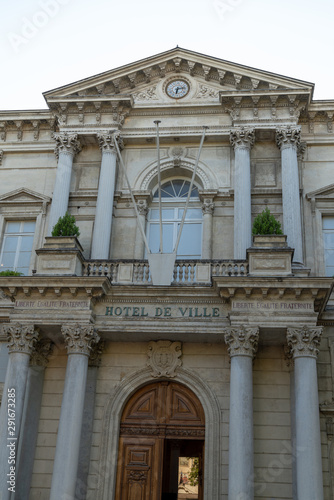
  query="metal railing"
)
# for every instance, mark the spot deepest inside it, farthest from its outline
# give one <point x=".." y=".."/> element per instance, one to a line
<point x="137" y="272"/>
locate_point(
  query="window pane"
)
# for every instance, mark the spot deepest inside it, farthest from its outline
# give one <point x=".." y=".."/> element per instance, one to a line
<point x="8" y="260"/>
<point x="29" y="227"/>
<point x="13" y="227"/>
<point x="329" y="240"/>
<point x="190" y="241"/>
<point x="167" y="235"/>
<point x="24" y="259"/>
<point x="328" y="223"/>
<point x="329" y="256"/>
<point x="10" y="243"/>
<point x="192" y="213"/>
<point x="26" y="243"/>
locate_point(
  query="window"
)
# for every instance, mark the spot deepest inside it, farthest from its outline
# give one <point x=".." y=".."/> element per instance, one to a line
<point x="328" y="235"/>
<point x="17" y="246"/>
<point x="174" y="194"/>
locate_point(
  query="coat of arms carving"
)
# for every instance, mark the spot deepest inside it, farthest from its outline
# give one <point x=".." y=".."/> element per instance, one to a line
<point x="164" y="358"/>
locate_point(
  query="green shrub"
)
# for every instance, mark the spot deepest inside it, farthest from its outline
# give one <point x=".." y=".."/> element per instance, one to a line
<point x="265" y="223"/>
<point x="66" y="226"/>
<point x="8" y="272"/>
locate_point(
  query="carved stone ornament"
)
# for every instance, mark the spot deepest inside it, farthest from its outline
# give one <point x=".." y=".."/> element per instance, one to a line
<point x="241" y="340"/>
<point x="208" y="207"/>
<point x="287" y="137"/>
<point x="106" y="141"/>
<point x="142" y="207"/>
<point x="79" y="338"/>
<point x="96" y="354"/>
<point x="164" y="358"/>
<point x="207" y="93"/>
<point x="42" y="352"/>
<point x="137" y="476"/>
<point x="146" y="95"/>
<point x="21" y="338"/>
<point x="66" y="143"/>
<point x="304" y="341"/>
<point x="1" y="156"/>
<point x="242" y="138"/>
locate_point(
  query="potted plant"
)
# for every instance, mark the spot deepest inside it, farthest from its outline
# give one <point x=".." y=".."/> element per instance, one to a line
<point x="66" y="226"/>
<point x="9" y="272"/>
<point x="267" y="230"/>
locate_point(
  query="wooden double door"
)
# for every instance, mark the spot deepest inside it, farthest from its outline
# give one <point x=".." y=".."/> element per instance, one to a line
<point x="162" y="424"/>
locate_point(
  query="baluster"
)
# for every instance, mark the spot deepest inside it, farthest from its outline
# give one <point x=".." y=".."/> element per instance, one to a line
<point x="135" y="272"/>
<point x="192" y="272"/>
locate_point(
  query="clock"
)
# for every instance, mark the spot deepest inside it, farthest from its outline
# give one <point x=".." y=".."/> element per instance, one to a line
<point x="177" y="89"/>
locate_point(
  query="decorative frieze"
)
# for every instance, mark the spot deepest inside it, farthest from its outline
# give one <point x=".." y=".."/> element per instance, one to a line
<point x="304" y="341"/>
<point x="66" y="144"/>
<point x="164" y="358"/>
<point x="241" y="340"/>
<point x="288" y="137"/>
<point x="242" y="138"/>
<point x="21" y="338"/>
<point x="79" y="338"/>
<point x="42" y="352"/>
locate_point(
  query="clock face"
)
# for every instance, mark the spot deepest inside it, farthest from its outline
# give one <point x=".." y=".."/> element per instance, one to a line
<point x="177" y="89"/>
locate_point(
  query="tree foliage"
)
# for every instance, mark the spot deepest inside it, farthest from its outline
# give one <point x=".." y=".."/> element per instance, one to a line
<point x="265" y="223"/>
<point x="8" y="272"/>
<point x="193" y="474"/>
<point x="66" y="226"/>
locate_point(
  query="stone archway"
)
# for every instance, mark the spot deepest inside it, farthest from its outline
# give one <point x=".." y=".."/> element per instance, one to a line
<point x="107" y="465"/>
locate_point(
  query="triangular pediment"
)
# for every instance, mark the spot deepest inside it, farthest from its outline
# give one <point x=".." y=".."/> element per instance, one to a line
<point x="324" y="193"/>
<point x="140" y="80"/>
<point x="23" y="195"/>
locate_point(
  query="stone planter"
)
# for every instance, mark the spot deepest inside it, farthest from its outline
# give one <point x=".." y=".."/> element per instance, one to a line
<point x="270" y="256"/>
<point x="60" y="255"/>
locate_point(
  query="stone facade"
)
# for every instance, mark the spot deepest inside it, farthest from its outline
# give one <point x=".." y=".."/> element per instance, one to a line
<point x="247" y="327"/>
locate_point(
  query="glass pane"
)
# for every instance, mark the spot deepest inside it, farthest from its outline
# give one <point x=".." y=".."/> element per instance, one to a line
<point x="329" y="240"/>
<point x="24" y="259"/>
<point x="154" y="215"/>
<point x="167" y="235"/>
<point x="191" y="241"/>
<point x="26" y="243"/>
<point x="13" y="227"/>
<point x="192" y="213"/>
<point x="29" y="227"/>
<point x="167" y="190"/>
<point x="328" y="223"/>
<point x="330" y="271"/>
<point x="329" y="257"/>
<point x="8" y="260"/>
<point x="23" y="270"/>
<point x="10" y="243"/>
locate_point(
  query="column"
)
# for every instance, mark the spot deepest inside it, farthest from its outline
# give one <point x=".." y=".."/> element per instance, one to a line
<point x="242" y="344"/>
<point x="78" y="339"/>
<point x="288" y="140"/>
<point x="105" y="198"/>
<point x="21" y="340"/>
<point x="303" y="342"/>
<point x="139" y="250"/>
<point x="207" y="208"/>
<point x="31" y="413"/>
<point x="67" y="147"/>
<point x="242" y="141"/>
<point x="88" y="420"/>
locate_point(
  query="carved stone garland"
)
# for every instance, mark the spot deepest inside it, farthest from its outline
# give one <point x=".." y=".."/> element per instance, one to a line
<point x="21" y="338"/>
<point x="241" y="340"/>
<point x="304" y="341"/>
<point x="164" y="358"/>
<point x="79" y="338"/>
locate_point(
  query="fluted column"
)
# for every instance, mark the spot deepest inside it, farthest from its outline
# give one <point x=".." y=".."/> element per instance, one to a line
<point x="21" y="340"/>
<point x="105" y="198"/>
<point x="304" y="342"/>
<point x="31" y="413"/>
<point x="139" y="242"/>
<point x="242" y="141"/>
<point x="288" y="140"/>
<point x="78" y="339"/>
<point x="242" y="344"/>
<point x="207" y="208"/>
<point x="67" y="147"/>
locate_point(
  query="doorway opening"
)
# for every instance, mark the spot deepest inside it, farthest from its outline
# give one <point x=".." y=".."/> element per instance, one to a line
<point x="161" y="446"/>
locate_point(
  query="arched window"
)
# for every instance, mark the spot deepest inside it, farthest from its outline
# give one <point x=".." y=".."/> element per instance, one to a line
<point x="174" y="195"/>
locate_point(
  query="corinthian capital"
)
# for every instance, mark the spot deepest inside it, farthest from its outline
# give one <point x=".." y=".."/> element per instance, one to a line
<point x="241" y="340"/>
<point x="40" y="355"/>
<point x="304" y="341"/>
<point x="242" y="138"/>
<point x="106" y="141"/>
<point x="79" y="338"/>
<point x="21" y="338"/>
<point x="66" y="143"/>
<point x="287" y="137"/>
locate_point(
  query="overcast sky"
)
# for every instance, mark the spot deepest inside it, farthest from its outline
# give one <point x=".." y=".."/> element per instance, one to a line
<point x="48" y="43"/>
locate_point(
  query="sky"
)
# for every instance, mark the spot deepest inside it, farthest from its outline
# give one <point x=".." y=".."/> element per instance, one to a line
<point x="45" y="44"/>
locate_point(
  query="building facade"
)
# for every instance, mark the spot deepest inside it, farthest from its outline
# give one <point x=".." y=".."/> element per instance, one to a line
<point x="114" y="379"/>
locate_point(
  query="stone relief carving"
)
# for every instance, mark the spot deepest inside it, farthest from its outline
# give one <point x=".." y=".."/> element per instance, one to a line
<point x="177" y="153"/>
<point x="42" y="352"/>
<point x="1" y="156"/>
<point x="146" y="95"/>
<point x="164" y="358"/>
<point x="208" y="206"/>
<point x="106" y="141"/>
<point x="142" y="207"/>
<point x="241" y="340"/>
<point x="66" y="143"/>
<point x="79" y="338"/>
<point x="304" y="341"/>
<point x="242" y="138"/>
<point x="21" y="338"/>
<point x="207" y="93"/>
<point x="96" y="354"/>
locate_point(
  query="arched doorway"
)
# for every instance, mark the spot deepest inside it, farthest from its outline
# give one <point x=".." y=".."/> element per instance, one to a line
<point x="161" y="445"/>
